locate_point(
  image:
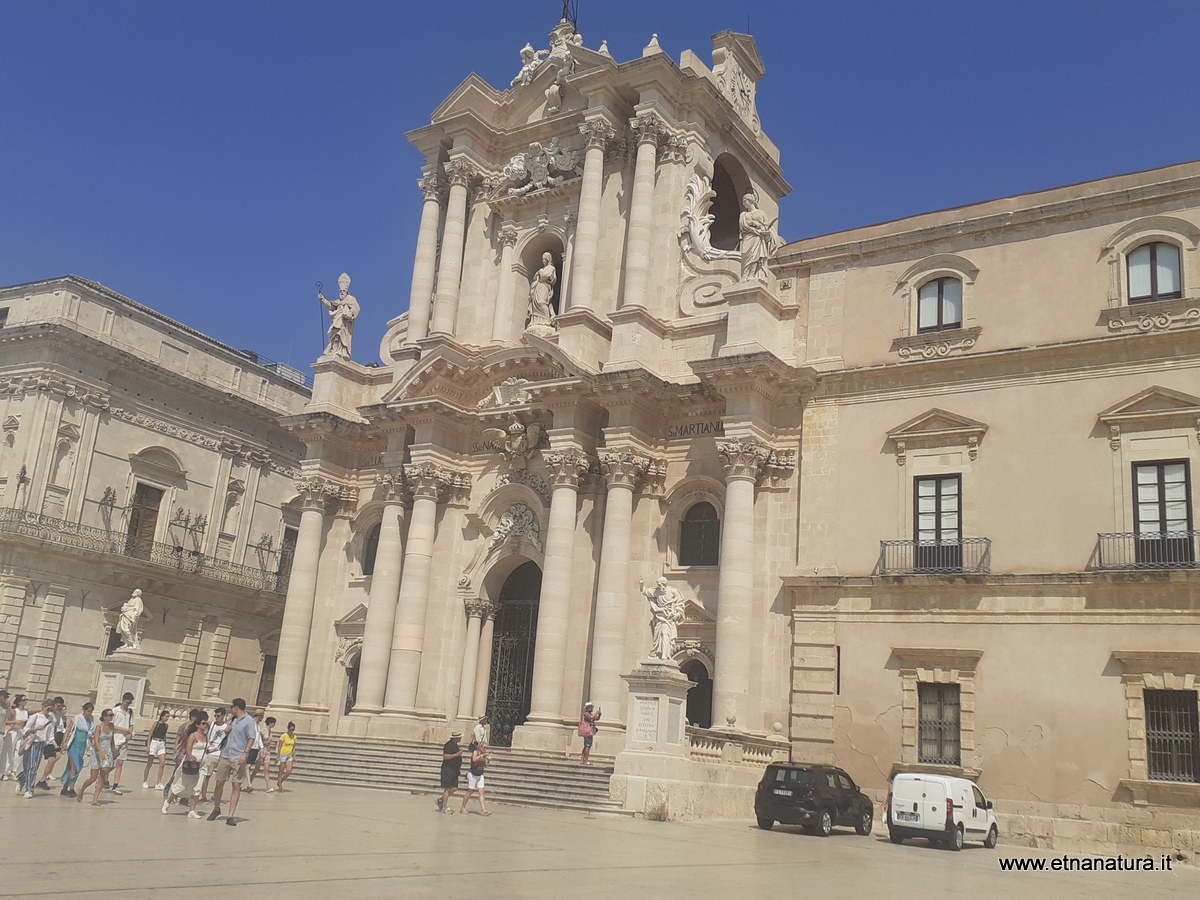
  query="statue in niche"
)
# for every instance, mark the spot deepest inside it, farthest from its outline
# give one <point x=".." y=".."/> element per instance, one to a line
<point x="540" y="319"/>
<point x="667" y="608"/>
<point x="127" y="620"/>
<point x="342" y="313"/>
<point x="759" y="240"/>
<point x="531" y="61"/>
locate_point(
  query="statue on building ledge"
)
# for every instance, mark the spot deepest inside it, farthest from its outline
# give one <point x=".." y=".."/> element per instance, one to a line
<point x="759" y="240"/>
<point x="540" y="319"/>
<point x="667" y="607"/>
<point x="342" y="313"/>
<point x="127" y="620"/>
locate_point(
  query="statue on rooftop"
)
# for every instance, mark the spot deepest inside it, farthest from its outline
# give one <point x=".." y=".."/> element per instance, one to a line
<point x="531" y="61"/>
<point x="342" y="313"/>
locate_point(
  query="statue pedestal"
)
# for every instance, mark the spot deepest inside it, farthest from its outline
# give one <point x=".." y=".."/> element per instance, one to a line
<point x="123" y="671"/>
<point x="758" y="321"/>
<point x="657" y="750"/>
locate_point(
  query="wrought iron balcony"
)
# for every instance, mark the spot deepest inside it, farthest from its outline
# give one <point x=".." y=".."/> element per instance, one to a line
<point x="1147" y="550"/>
<point x="272" y="576"/>
<point x="968" y="556"/>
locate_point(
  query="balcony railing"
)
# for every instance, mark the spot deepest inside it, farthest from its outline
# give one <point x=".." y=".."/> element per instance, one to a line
<point x="1148" y="550"/>
<point x="273" y="577"/>
<point x="968" y="556"/>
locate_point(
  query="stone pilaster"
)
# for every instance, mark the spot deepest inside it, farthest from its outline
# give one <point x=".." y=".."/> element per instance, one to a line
<point x="459" y="172"/>
<point x="597" y="135"/>
<point x="420" y="294"/>
<point x="502" y="317"/>
<point x="12" y="605"/>
<point x="218" y="655"/>
<point x="623" y="471"/>
<point x="743" y="461"/>
<point x="189" y="653"/>
<point x="554" y="604"/>
<point x="649" y="129"/>
<point x="41" y="662"/>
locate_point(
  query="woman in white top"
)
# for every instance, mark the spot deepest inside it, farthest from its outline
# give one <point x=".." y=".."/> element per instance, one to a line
<point x="14" y="722"/>
<point x="187" y="775"/>
<point x="37" y="733"/>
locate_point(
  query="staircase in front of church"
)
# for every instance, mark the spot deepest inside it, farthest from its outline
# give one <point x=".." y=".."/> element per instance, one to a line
<point x="521" y="777"/>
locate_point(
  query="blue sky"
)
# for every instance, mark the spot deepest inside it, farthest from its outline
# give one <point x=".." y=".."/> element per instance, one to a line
<point x="214" y="159"/>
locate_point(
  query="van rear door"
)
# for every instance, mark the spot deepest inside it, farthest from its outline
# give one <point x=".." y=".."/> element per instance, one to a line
<point x="908" y="799"/>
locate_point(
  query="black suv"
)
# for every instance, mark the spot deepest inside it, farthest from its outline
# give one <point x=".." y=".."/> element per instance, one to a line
<point x="817" y="797"/>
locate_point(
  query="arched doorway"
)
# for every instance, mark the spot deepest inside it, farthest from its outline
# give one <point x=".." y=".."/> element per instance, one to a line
<point x="511" y="680"/>
<point x="699" y="698"/>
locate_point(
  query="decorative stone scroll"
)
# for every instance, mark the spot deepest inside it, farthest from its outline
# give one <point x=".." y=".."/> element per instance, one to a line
<point x="1145" y="323"/>
<point x="534" y="169"/>
<point x="519" y="519"/>
<point x="697" y="221"/>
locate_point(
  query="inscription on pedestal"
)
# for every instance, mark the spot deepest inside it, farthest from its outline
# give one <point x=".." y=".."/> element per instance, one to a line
<point x="645" y="725"/>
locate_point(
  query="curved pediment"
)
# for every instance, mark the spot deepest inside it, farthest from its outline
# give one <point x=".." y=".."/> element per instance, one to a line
<point x="483" y="381"/>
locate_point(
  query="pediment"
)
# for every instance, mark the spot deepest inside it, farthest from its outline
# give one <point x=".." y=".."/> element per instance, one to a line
<point x="1153" y="406"/>
<point x="473" y="95"/>
<point x="695" y="614"/>
<point x="356" y="617"/>
<point x="938" y="424"/>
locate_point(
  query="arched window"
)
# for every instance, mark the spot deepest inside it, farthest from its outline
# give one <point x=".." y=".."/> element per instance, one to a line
<point x="1154" y="273"/>
<point x="939" y="304"/>
<point x="700" y="536"/>
<point x="370" y="548"/>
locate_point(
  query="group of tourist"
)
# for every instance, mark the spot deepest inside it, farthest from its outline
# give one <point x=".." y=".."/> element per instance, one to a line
<point x="233" y="747"/>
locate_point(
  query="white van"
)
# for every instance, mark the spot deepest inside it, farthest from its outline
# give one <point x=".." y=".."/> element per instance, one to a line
<point x="940" y="808"/>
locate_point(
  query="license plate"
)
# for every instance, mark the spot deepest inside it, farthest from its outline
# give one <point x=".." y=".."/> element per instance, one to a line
<point x="906" y="817"/>
<point x="781" y="792"/>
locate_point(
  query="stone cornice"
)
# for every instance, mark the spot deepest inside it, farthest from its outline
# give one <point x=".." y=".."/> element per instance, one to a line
<point x="760" y="373"/>
<point x="931" y="657"/>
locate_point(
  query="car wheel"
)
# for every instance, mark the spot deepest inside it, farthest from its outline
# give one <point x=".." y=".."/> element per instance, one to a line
<point x="895" y="838"/>
<point x="956" y="839"/>
<point x="825" y="824"/>
<point x="764" y="823"/>
<point x="865" y="821"/>
<point x="992" y="839"/>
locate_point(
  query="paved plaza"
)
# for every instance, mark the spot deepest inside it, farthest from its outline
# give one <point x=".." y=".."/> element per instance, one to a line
<point x="329" y="843"/>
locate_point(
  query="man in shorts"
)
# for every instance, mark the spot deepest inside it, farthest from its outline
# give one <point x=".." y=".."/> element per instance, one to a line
<point x="123" y="728"/>
<point x="232" y="765"/>
<point x="217" y="734"/>
<point x="451" y="767"/>
<point x="60" y="732"/>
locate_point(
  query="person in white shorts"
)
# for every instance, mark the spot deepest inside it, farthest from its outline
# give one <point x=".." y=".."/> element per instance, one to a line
<point x="479" y="762"/>
<point x="217" y="733"/>
<point x="122" y="734"/>
<point x="156" y="748"/>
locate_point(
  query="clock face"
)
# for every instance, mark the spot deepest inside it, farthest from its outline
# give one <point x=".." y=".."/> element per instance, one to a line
<point x="741" y="92"/>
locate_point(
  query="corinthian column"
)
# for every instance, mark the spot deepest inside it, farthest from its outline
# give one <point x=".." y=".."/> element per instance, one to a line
<point x="648" y="129"/>
<point x="597" y="134"/>
<point x="554" y="604"/>
<point x="445" y="308"/>
<point x="483" y="669"/>
<point x="427" y="482"/>
<point x="503" y="316"/>
<point x="302" y="593"/>
<point x="476" y="610"/>
<point x="622" y="471"/>
<point x="420" y="294"/>
<point x="381" y="610"/>
<point x="743" y="461"/>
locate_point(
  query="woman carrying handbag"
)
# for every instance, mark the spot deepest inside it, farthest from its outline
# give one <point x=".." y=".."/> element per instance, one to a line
<point x="187" y="773"/>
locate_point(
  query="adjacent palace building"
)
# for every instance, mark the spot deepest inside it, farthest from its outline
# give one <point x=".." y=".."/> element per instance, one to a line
<point x="925" y="486"/>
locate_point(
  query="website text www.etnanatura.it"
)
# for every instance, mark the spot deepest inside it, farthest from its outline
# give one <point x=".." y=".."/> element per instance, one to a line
<point x="1065" y="863"/>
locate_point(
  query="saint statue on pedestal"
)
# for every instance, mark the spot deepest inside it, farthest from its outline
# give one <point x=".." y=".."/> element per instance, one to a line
<point x="342" y="313"/>
<point x="667" y="609"/>
<point x="127" y="620"/>
<point x="541" y="290"/>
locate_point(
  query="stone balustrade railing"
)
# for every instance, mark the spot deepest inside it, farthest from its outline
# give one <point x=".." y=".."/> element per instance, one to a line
<point x="731" y="748"/>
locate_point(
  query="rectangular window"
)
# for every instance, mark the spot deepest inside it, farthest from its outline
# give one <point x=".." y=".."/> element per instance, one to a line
<point x="937" y="521"/>
<point x="939" y="305"/>
<point x="938" y="724"/>
<point x="1163" y="513"/>
<point x="3" y="317"/>
<point x="1172" y="735"/>
<point x="143" y="520"/>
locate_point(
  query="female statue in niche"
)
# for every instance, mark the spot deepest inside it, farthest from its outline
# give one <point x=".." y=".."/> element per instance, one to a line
<point x="541" y="289"/>
<point x="759" y="241"/>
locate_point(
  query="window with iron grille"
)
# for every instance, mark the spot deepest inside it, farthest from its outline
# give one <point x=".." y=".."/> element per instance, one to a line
<point x="1163" y="520"/>
<point x="1154" y="272"/>
<point x="700" y="536"/>
<point x="938" y="724"/>
<point x="1172" y="736"/>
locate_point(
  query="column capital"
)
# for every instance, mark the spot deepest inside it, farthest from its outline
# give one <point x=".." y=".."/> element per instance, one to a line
<point x="478" y="607"/>
<point x="395" y="487"/>
<point x="597" y="133"/>
<point x="315" y="492"/>
<point x="460" y="172"/>
<point x="567" y="467"/>
<point x="648" y="128"/>
<point x="431" y="481"/>
<point x="751" y="459"/>
<point x="433" y="186"/>
<point x="623" y="468"/>
<point x="508" y="235"/>
<point x="491" y="610"/>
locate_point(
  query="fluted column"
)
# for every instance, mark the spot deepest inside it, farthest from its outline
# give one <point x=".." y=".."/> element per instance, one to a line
<point x="622" y="471"/>
<point x="420" y="294"/>
<point x="302" y="593"/>
<point x="743" y="461"/>
<point x="483" y="670"/>
<point x="502" y="318"/>
<point x="381" y="610"/>
<point x="476" y="610"/>
<point x="445" y="307"/>
<point x="648" y="129"/>
<point x="427" y="482"/>
<point x="554" y="604"/>
<point x="597" y="134"/>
